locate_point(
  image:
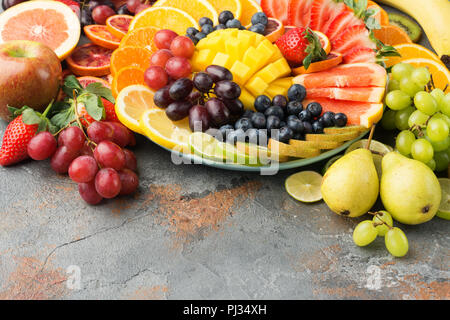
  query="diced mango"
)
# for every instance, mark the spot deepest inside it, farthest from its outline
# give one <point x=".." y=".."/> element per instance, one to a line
<point x="269" y="73"/>
<point x="246" y="39"/>
<point x="282" y="67"/>
<point x="216" y="44"/>
<point x="247" y="99"/>
<point x="241" y="72"/>
<point x="266" y="51"/>
<point x="284" y="82"/>
<point x="252" y="59"/>
<point x="258" y="39"/>
<point x="256" y="86"/>
<point x="222" y="59"/>
<point x="274" y="90"/>
<point x="203" y="59"/>
<point x="277" y="54"/>
<point x="203" y="44"/>
<point x="232" y="49"/>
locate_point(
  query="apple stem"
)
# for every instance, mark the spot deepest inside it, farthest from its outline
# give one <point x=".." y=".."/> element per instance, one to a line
<point x="369" y="141"/>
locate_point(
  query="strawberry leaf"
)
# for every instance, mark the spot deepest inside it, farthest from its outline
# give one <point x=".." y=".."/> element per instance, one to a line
<point x="64" y="117"/>
<point x="314" y="49"/>
<point x="98" y="89"/>
<point x="29" y="116"/>
<point x="91" y="103"/>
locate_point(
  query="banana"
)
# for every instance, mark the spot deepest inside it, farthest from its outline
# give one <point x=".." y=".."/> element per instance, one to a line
<point x="434" y="18"/>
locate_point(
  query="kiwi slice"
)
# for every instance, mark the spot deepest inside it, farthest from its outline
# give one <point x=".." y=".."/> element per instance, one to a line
<point x="409" y="26"/>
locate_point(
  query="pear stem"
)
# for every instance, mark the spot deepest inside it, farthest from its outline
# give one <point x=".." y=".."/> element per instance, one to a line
<point x="369" y="141"/>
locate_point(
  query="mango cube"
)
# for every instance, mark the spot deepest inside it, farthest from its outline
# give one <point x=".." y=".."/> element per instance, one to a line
<point x="241" y="72"/>
<point x="252" y="59"/>
<point x="274" y="90"/>
<point x="247" y="99"/>
<point x="233" y="50"/>
<point x="266" y="50"/>
<point x="256" y="86"/>
<point x="216" y="44"/>
<point x="246" y="40"/>
<point x="282" y="67"/>
<point x="202" y="59"/>
<point x="223" y="60"/>
<point x="284" y="82"/>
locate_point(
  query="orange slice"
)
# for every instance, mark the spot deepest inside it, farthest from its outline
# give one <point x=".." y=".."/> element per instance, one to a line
<point x="130" y="57"/>
<point x="332" y="60"/>
<point x="326" y="45"/>
<point x="195" y="8"/>
<point x="231" y="5"/>
<point x="441" y="75"/>
<point x="249" y="8"/>
<point x="164" y="18"/>
<point x="86" y="80"/>
<point x="274" y="30"/>
<point x="381" y="16"/>
<point x="49" y="22"/>
<point x="100" y="35"/>
<point x="411" y="51"/>
<point x="391" y="35"/>
<point x="127" y="77"/>
<point x="141" y="37"/>
<point x="90" y="60"/>
<point x="118" y="24"/>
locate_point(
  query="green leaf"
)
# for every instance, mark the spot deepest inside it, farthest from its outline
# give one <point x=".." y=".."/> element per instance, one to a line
<point x="71" y="83"/>
<point x="29" y="116"/>
<point x="63" y="118"/>
<point x="98" y="89"/>
<point x="51" y="128"/>
<point x="93" y="108"/>
<point x="314" y="49"/>
<point x="42" y="125"/>
<point x="372" y="23"/>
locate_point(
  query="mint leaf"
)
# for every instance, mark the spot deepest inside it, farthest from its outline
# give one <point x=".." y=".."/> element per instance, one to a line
<point x="29" y="116"/>
<point x="92" y="105"/>
<point x="100" y="90"/>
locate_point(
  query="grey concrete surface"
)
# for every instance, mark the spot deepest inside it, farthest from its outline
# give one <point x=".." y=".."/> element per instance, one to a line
<point x="194" y="232"/>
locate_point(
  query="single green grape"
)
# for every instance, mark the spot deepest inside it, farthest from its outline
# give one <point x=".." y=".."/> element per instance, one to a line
<point x="442" y="160"/>
<point x="448" y="152"/>
<point x="425" y="103"/>
<point x="402" y="70"/>
<point x="364" y="233"/>
<point x="388" y="121"/>
<point x="422" y="150"/>
<point x="421" y="76"/>
<point x="408" y="86"/>
<point x="402" y="117"/>
<point x="404" y="142"/>
<point x="437" y="130"/>
<point x="439" y="146"/>
<point x="440" y="115"/>
<point x="417" y="118"/>
<point x="396" y="242"/>
<point x="438" y="95"/>
<point x="393" y="85"/>
<point x="444" y="105"/>
<point x="431" y="164"/>
<point x="379" y="218"/>
<point x="398" y="100"/>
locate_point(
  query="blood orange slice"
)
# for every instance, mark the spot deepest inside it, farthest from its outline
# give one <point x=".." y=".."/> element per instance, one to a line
<point x="274" y="29"/>
<point x="118" y="24"/>
<point x="86" y="80"/>
<point x="90" y="60"/>
<point x="100" y="35"/>
<point x="333" y="59"/>
<point x="49" y="22"/>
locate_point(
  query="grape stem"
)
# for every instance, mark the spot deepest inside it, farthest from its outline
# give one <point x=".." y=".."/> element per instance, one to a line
<point x="376" y="224"/>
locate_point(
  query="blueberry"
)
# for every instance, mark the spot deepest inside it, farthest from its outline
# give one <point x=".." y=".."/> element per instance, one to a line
<point x="295" y="125"/>
<point x="262" y="103"/>
<point x="220" y="27"/>
<point x="294" y="107"/>
<point x="275" y="111"/>
<point x="273" y="122"/>
<point x="235" y="23"/>
<point x="194" y="40"/>
<point x="320" y="121"/>
<point x="283" y="124"/>
<point x="258" y="120"/>
<point x="205" y="20"/>
<point x="307" y="127"/>
<point x="285" y="134"/>
<point x="328" y="119"/>
<point x="207" y="28"/>
<point x="280" y="101"/>
<point x="191" y="31"/>
<point x="290" y="117"/>
<point x="248" y="114"/>
<point x="258" y="28"/>
<point x="315" y="108"/>
<point x="297" y="92"/>
<point x="340" y="119"/>
<point x="260" y="17"/>
<point x="199" y="36"/>
<point x="224" y="16"/>
<point x="317" y="127"/>
<point x="305" y="115"/>
<point x="244" y="124"/>
<point x="298" y="136"/>
<point x="236" y="135"/>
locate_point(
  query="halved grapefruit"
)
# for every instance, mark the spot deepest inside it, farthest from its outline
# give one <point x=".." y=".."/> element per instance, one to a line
<point x="90" y="60"/>
<point x="363" y="94"/>
<point x="49" y="22"/>
<point x="346" y="75"/>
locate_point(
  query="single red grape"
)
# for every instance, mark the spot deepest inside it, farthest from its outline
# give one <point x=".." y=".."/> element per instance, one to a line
<point x="130" y="160"/>
<point x="129" y="181"/>
<point x="87" y="150"/>
<point x="178" y="67"/>
<point x="132" y="5"/>
<point x="62" y="159"/>
<point x="107" y="183"/>
<point x="88" y="193"/>
<point x="42" y="146"/>
<point x="141" y="7"/>
<point x="100" y="131"/>
<point x="101" y="13"/>
<point x="121" y="135"/>
<point x="155" y="77"/>
<point x="83" y="169"/>
<point x="163" y="38"/>
<point x="109" y="155"/>
<point x="160" y="57"/>
<point x="73" y="138"/>
<point x="182" y="46"/>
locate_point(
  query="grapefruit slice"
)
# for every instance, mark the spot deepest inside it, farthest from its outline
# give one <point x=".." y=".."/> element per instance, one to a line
<point x="90" y="60"/>
<point x="86" y="80"/>
<point x="346" y="75"/>
<point x="100" y="35"/>
<point x="358" y="113"/>
<point x="367" y="94"/>
<point x="118" y="24"/>
<point x="49" y="22"/>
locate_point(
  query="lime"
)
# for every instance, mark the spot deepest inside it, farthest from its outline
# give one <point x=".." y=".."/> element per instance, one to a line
<point x="304" y="186"/>
<point x="204" y="145"/>
<point x="330" y="162"/>
<point x="231" y="153"/>
<point x="444" y="208"/>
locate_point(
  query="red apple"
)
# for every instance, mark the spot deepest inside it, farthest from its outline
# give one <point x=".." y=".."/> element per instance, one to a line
<point x="30" y="75"/>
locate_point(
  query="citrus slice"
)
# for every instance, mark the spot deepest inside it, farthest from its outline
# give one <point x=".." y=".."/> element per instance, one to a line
<point x="130" y="57"/>
<point x="391" y="35"/>
<point x="118" y="24"/>
<point x="195" y="8"/>
<point x="274" y="30"/>
<point x="86" y="80"/>
<point x="231" y="5"/>
<point x="127" y="77"/>
<point x="411" y="51"/>
<point x="90" y="60"/>
<point x="49" y="22"/>
<point x="381" y="15"/>
<point x="164" y="18"/>
<point x="304" y="186"/>
<point x="440" y="74"/>
<point x="100" y="35"/>
<point x="444" y="208"/>
<point x="333" y="59"/>
<point x="204" y="145"/>
<point x="232" y="154"/>
<point x="141" y="37"/>
<point x="131" y="103"/>
<point x="165" y="132"/>
<point x="326" y="45"/>
<point x="249" y="8"/>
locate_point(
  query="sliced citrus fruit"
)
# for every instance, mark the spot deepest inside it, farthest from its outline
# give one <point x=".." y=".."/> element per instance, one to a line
<point x="204" y="145"/>
<point x="274" y="29"/>
<point x="363" y="94"/>
<point x="165" y="132"/>
<point x="230" y="5"/>
<point x="49" y="22"/>
<point x="195" y="8"/>
<point x="440" y="74"/>
<point x="304" y="186"/>
<point x="118" y="24"/>
<point x="444" y="208"/>
<point x="90" y="60"/>
<point x="326" y="45"/>
<point x="411" y="51"/>
<point x="381" y="15"/>
<point x="333" y="59"/>
<point x="127" y="77"/>
<point x="86" y="80"/>
<point x="130" y="57"/>
<point x="141" y="37"/>
<point x="164" y="18"/>
<point x="100" y="35"/>
<point x="131" y="103"/>
<point x="391" y="35"/>
<point x="231" y="154"/>
<point x="376" y="147"/>
<point x="249" y="8"/>
<point x="108" y="78"/>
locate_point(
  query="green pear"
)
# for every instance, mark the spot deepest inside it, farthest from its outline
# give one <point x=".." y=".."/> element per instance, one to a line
<point x="350" y="186"/>
<point x="410" y="190"/>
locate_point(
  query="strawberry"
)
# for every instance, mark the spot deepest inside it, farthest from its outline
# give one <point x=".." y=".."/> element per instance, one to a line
<point x="323" y="12"/>
<point x="360" y="54"/>
<point x="301" y="46"/>
<point x="344" y="20"/>
<point x="356" y="36"/>
<point x="277" y="9"/>
<point x="299" y="12"/>
<point x="110" y="113"/>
